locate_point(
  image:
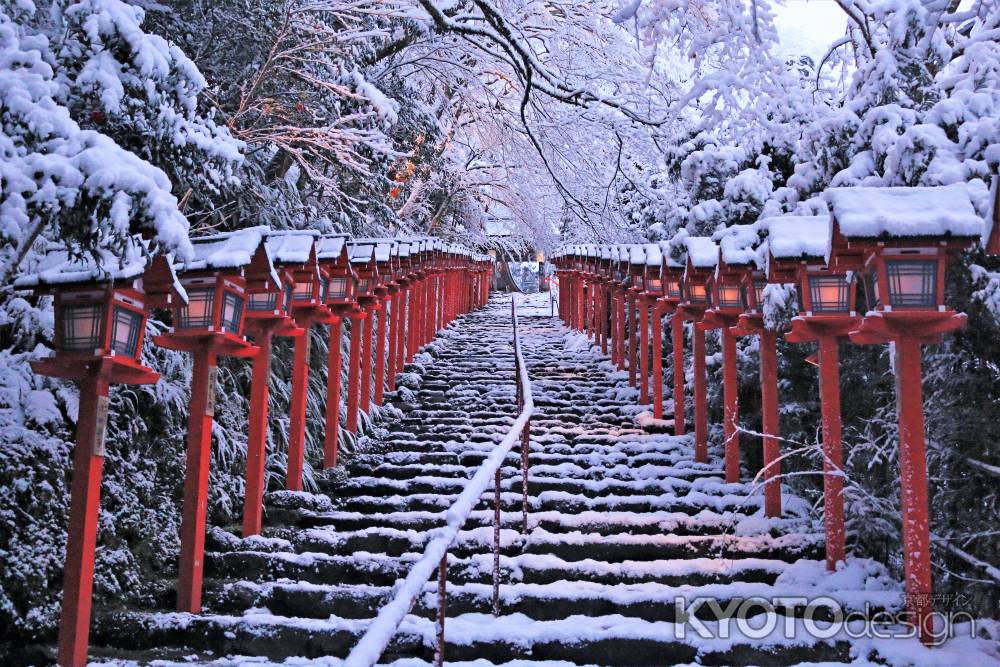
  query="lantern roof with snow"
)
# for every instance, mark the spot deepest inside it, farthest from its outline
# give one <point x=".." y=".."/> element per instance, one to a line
<point x="797" y="237"/>
<point x="330" y="247"/>
<point x="243" y="252"/>
<point x="58" y="267"/>
<point x="654" y="257"/>
<point x="918" y="212"/>
<point x="636" y="254"/>
<point x="292" y="246"/>
<point x="702" y="252"/>
<point x="738" y="247"/>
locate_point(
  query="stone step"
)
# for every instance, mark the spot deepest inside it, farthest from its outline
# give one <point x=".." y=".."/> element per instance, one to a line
<point x="548" y="602"/>
<point x="611" y="640"/>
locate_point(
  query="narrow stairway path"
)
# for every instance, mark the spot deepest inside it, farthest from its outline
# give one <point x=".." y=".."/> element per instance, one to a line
<point x="626" y="530"/>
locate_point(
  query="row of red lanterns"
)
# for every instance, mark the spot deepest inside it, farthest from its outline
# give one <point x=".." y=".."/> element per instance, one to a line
<point x="253" y="282"/>
<point x="896" y="242"/>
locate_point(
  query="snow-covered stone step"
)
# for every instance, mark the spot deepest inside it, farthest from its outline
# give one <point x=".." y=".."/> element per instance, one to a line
<point x="581" y="639"/>
<point x="591" y="488"/>
<point x="557" y="600"/>
<point x="691" y="501"/>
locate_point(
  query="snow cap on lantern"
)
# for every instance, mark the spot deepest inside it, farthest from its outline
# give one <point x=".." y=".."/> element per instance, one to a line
<point x="653" y="280"/>
<point x="604" y="263"/>
<point x="217" y="280"/>
<point x="702" y="259"/>
<point x="362" y="256"/>
<point x="672" y="272"/>
<point x="100" y="308"/>
<point x="331" y="254"/>
<point x="799" y="251"/>
<point x="295" y="252"/>
<point x="734" y="282"/>
<point x="636" y="267"/>
<point x="902" y="240"/>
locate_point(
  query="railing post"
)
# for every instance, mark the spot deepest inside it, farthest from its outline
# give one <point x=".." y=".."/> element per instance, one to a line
<point x="496" y="543"/>
<point x="442" y="595"/>
<point x="525" y="439"/>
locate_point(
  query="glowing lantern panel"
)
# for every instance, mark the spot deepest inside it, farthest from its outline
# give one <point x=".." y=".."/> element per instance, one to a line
<point x="198" y="312"/>
<point x="730" y="296"/>
<point x="829" y="294"/>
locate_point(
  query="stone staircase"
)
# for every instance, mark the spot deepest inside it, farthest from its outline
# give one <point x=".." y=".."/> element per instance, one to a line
<point x="623" y="524"/>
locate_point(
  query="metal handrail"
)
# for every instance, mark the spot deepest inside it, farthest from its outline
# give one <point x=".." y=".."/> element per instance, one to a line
<point x="374" y="642"/>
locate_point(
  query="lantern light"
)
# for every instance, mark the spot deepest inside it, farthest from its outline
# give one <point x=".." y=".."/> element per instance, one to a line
<point x="905" y="237"/>
<point x="332" y="255"/>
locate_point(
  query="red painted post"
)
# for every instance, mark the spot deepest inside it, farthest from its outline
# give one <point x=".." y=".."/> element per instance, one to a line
<point x="633" y="340"/>
<point x="354" y="370"/>
<point x="731" y="411"/>
<point x="677" y="331"/>
<point x="401" y="330"/>
<point x="381" y="332"/>
<point x="253" y="496"/>
<point x="297" y="413"/>
<point x="414" y="325"/>
<point x="394" y="322"/>
<point x="771" y="425"/>
<point x="643" y="351"/>
<point x="604" y="317"/>
<point x="594" y="287"/>
<point x="331" y="443"/>
<point x="657" y="350"/>
<point x="432" y="304"/>
<point x="615" y="315"/>
<point x="579" y="304"/>
<point x="700" y="397"/>
<point x="195" y="505"/>
<point x="621" y="329"/>
<point x="913" y="477"/>
<point x="85" y="502"/>
<point x="833" y="481"/>
<point x="366" y="357"/>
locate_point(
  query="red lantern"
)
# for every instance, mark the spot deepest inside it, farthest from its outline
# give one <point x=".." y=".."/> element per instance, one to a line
<point x="100" y="320"/>
<point x="268" y="313"/>
<point x="295" y="251"/>
<point x="904" y="239"/>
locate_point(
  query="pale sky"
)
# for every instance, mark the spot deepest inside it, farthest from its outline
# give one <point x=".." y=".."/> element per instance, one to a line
<point x="807" y="27"/>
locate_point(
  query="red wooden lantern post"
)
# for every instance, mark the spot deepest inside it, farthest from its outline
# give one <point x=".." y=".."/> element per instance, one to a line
<point x="702" y="258"/>
<point x="362" y="257"/>
<point x="672" y="276"/>
<point x="416" y="307"/>
<point x="652" y="300"/>
<point x="826" y="315"/>
<point x="591" y="279"/>
<point x="619" y="276"/>
<point x="408" y="273"/>
<point x="209" y="325"/>
<point x="268" y="314"/>
<point x="580" y="283"/>
<point x="397" y="291"/>
<point x="905" y="238"/>
<point x="331" y="253"/>
<point x="751" y="322"/>
<point x="634" y="257"/>
<point x="639" y="366"/>
<point x="383" y="291"/>
<point x="604" y="295"/>
<point x="736" y="255"/>
<point x="100" y="322"/>
<point x="295" y="251"/>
